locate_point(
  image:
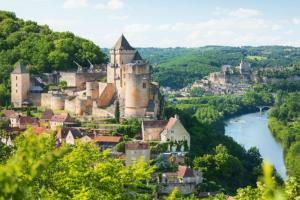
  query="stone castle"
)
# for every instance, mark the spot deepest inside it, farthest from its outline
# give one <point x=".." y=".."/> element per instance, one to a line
<point x="232" y="75"/>
<point x="128" y="82"/>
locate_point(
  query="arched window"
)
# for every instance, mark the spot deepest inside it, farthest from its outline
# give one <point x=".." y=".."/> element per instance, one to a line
<point x="144" y="85"/>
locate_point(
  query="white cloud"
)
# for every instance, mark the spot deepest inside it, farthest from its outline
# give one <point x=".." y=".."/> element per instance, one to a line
<point x="119" y="17"/>
<point x="137" y="28"/>
<point x="296" y="21"/>
<point x="75" y="3"/>
<point x="111" y="5"/>
<point x="244" y="13"/>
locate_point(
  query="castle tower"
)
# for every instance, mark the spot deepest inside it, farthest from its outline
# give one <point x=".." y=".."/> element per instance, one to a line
<point x="122" y="53"/>
<point x="20" y="85"/>
<point x="244" y="67"/>
<point x="137" y="87"/>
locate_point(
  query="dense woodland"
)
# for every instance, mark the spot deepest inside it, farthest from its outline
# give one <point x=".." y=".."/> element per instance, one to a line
<point x="285" y="124"/>
<point x="177" y="67"/>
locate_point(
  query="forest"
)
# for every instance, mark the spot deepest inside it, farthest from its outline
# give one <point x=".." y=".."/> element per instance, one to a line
<point x="40" y="48"/>
<point x="285" y="125"/>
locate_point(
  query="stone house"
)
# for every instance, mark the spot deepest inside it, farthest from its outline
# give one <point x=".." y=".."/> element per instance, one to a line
<point x="22" y="122"/>
<point x="60" y="120"/>
<point x="185" y="179"/>
<point x="175" y="131"/>
<point x="164" y="131"/>
<point x="107" y="142"/>
<point x="136" y="151"/>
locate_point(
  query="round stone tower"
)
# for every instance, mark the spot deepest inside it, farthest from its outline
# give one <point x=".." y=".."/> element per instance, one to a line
<point x="137" y="88"/>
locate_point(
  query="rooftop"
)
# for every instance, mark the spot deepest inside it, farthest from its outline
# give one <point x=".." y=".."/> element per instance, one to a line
<point x="114" y="139"/>
<point x="20" y="69"/>
<point x="136" y="146"/>
<point x="122" y="44"/>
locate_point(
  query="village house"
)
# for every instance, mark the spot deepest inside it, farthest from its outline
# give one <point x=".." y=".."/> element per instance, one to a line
<point x="107" y="142"/>
<point x="164" y="131"/>
<point x="46" y="117"/>
<point x="68" y="135"/>
<point x="136" y="151"/>
<point x="60" y="120"/>
<point x="185" y="179"/>
<point x="22" y="122"/>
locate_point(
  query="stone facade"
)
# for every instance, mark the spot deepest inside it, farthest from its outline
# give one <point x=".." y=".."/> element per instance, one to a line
<point x="20" y="85"/>
<point x="232" y="75"/>
<point x="128" y="81"/>
<point x="136" y="151"/>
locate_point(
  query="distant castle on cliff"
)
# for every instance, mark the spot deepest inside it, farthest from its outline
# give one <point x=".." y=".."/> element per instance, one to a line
<point x="128" y="81"/>
<point x="233" y="75"/>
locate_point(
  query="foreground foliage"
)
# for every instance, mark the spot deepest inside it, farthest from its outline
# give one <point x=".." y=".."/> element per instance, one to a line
<point x="39" y="170"/>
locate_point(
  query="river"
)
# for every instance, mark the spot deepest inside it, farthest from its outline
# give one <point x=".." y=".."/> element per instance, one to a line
<point x="252" y="130"/>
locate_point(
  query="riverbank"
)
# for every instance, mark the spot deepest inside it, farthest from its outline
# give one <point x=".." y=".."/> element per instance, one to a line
<point x="284" y="134"/>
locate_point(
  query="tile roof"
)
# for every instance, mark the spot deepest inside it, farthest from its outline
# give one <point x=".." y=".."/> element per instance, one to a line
<point x="172" y="121"/>
<point x="184" y="171"/>
<point x="114" y="139"/>
<point x="25" y="120"/>
<point x="47" y="115"/>
<point x="136" y="146"/>
<point x="38" y="130"/>
<point x="63" y="117"/>
<point x="122" y="44"/>
<point x="62" y="133"/>
<point x="20" y="68"/>
<point x="9" y="113"/>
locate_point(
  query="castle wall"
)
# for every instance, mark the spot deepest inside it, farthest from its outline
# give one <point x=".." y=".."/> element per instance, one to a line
<point x="69" y="77"/>
<point x="92" y="90"/>
<point x="46" y="100"/>
<point x="57" y="102"/>
<point x="35" y="98"/>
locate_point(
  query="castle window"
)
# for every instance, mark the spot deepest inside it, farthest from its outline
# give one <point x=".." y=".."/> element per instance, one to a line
<point x="144" y="85"/>
<point x="16" y="84"/>
<point x="16" y="91"/>
<point x="16" y="78"/>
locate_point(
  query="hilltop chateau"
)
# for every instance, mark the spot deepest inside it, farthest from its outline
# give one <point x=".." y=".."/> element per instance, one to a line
<point x="232" y="75"/>
<point x="128" y="82"/>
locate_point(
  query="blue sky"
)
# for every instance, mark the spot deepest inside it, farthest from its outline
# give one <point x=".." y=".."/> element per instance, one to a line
<point x="168" y="23"/>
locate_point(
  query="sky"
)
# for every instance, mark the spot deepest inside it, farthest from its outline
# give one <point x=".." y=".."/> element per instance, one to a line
<point x="168" y="23"/>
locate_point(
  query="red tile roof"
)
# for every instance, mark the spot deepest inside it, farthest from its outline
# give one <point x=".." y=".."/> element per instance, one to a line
<point x="184" y="171"/>
<point x="9" y="113"/>
<point x="38" y="130"/>
<point x="136" y="146"/>
<point x="172" y="121"/>
<point x="63" y="117"/>
<point x="115" y="139"/>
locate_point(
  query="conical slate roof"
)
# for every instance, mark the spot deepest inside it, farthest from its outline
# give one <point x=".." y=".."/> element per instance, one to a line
<point x="137" y="56"/>
<point x="122" y="44"/>
<point x="20" y="69"/>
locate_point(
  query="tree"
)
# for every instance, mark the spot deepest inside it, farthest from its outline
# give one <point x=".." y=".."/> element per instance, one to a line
<point x="117" y="111"/>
